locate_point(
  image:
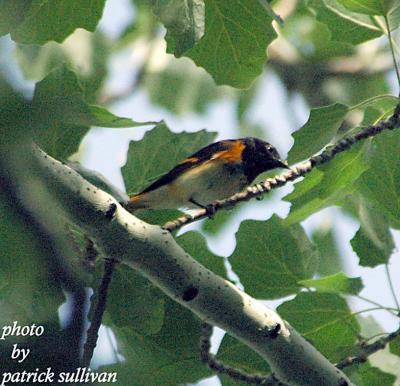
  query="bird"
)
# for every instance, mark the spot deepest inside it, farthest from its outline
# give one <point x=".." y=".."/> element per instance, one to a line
<point x="215" y="172"/>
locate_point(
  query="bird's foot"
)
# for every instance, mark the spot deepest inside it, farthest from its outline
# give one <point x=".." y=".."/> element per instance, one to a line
<point x="210" y="210"/>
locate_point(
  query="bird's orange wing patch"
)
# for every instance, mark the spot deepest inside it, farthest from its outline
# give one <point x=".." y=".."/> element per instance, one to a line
<point x="191" y="160"/>
<point x="232" y="154"/>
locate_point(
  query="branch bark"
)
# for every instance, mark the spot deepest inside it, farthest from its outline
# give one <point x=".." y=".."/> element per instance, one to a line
<point x="154" y="253"/>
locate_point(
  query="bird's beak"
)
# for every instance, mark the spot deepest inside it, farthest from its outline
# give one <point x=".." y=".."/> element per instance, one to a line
<point x="282" y="164"/>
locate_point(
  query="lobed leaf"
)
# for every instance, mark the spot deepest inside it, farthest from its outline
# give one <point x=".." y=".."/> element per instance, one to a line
<point x="45" y="20"/>
<point x="271" y="257"/>
<point x="236" y="354"/>
<point x="337" y="283"/>
<point x="345" y="26"/>
<point x="369" y="7"/>
<point x="132" y="301"/>
<point x="373" y="241"/>
<point x="233" y="48"/>
<point x="325" y="320"/>
<point x="195" y="244"/>
<point x="330" y="259"/>
<point x="327" y="185"/>
<point x="321" y="126"/>
<point x="381" y="182"/>
<point x="184" y="21"/>
<point x="66" y="117"/>
<point x="368" y="375"/>
<point x="147" y="158"/>
<point x="157" y="359"/>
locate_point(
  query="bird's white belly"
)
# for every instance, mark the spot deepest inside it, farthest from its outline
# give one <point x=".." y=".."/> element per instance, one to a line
<point x="209" y="183"/>
<point x="203" y="184"/>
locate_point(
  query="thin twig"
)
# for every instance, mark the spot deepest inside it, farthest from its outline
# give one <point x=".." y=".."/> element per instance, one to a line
<point x="368" y="349"/>
<point x="291" y="175"/>
<point x="392" y="287"/>
<point x="91" y="254"/>
<point x="93" y="331"/>
<point x="270" y="11"/>
<point x="220" y="368"/>
<point x="393" y="312"/>
<point x="396" y="67"/>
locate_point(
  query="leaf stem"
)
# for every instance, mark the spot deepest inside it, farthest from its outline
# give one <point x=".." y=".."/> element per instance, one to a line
<point x="392" y="287"/>
<point x="370" y="100"/>
<point x="392" y="311"/>
<point x="392" y="51"/>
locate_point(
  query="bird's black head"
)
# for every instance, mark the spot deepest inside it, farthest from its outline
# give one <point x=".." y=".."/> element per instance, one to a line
<point x="260" y="156"/>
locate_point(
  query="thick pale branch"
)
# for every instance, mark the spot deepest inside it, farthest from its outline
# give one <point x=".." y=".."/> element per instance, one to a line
<point x="154" y="253"/>
<point x="291" y="175"/>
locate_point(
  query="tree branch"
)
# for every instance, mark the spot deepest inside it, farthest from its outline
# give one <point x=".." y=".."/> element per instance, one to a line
<point x="100" y="307"/>
<point x="291" y="175"/>
<point x="368" y="349"/>
<point x="154" y="253"/>
<point x="220" y="368"/>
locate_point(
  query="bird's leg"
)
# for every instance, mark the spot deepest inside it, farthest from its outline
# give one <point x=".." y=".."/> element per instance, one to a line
<point x="210" y="208"/>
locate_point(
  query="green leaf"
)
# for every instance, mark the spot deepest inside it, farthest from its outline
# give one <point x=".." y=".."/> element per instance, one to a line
<point x="86" y="53"/>
<point x="323" y="319"/>
<point x="394" y="18"/>
<point x="314" y="44"/>
<point x="233" y="48"/>
<point x="377" y="108"/>
<point x="158" y="216"/>
<point x="381" y="182"/>
<point x="394" y="346"/>
<point x="270" y="258"/>
<point x="30" y="292"/>
<point x="337" y="283"/>
<point x="321" y="126"/>
<point x="195" y="244"/>
<point x="345" y="26"/>
<point x="47" y="20"/>
<point x="16" y="123"/>
<point x="326" y="185"/>
<point x="12" y="12"/>
<point x="373" y="241"/>
<point x="367" y="375"/>
<point x="37" y="61"/>
<point x="330" y="259"/>
<point x="184" y="21"/>
<point x="133" y="302"/>
<point x="154" y="360"/>
<point x="219" y="221"/>
<point x="359" y="91"/>
<point x="103" y="118"/>
<point x="65" y="116"/>
<point x="181" y="87"/>
<point x="147" y="158"/>
<point x="383" y="103"/>
<point x="369" y="7"/>
<point x="236" y="354"/>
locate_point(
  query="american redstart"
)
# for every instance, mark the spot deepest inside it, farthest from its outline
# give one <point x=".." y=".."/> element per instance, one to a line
<point x="214" y="172"/>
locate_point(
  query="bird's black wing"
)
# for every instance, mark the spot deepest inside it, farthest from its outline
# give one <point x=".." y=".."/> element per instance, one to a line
<point x="194" y="160"/>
